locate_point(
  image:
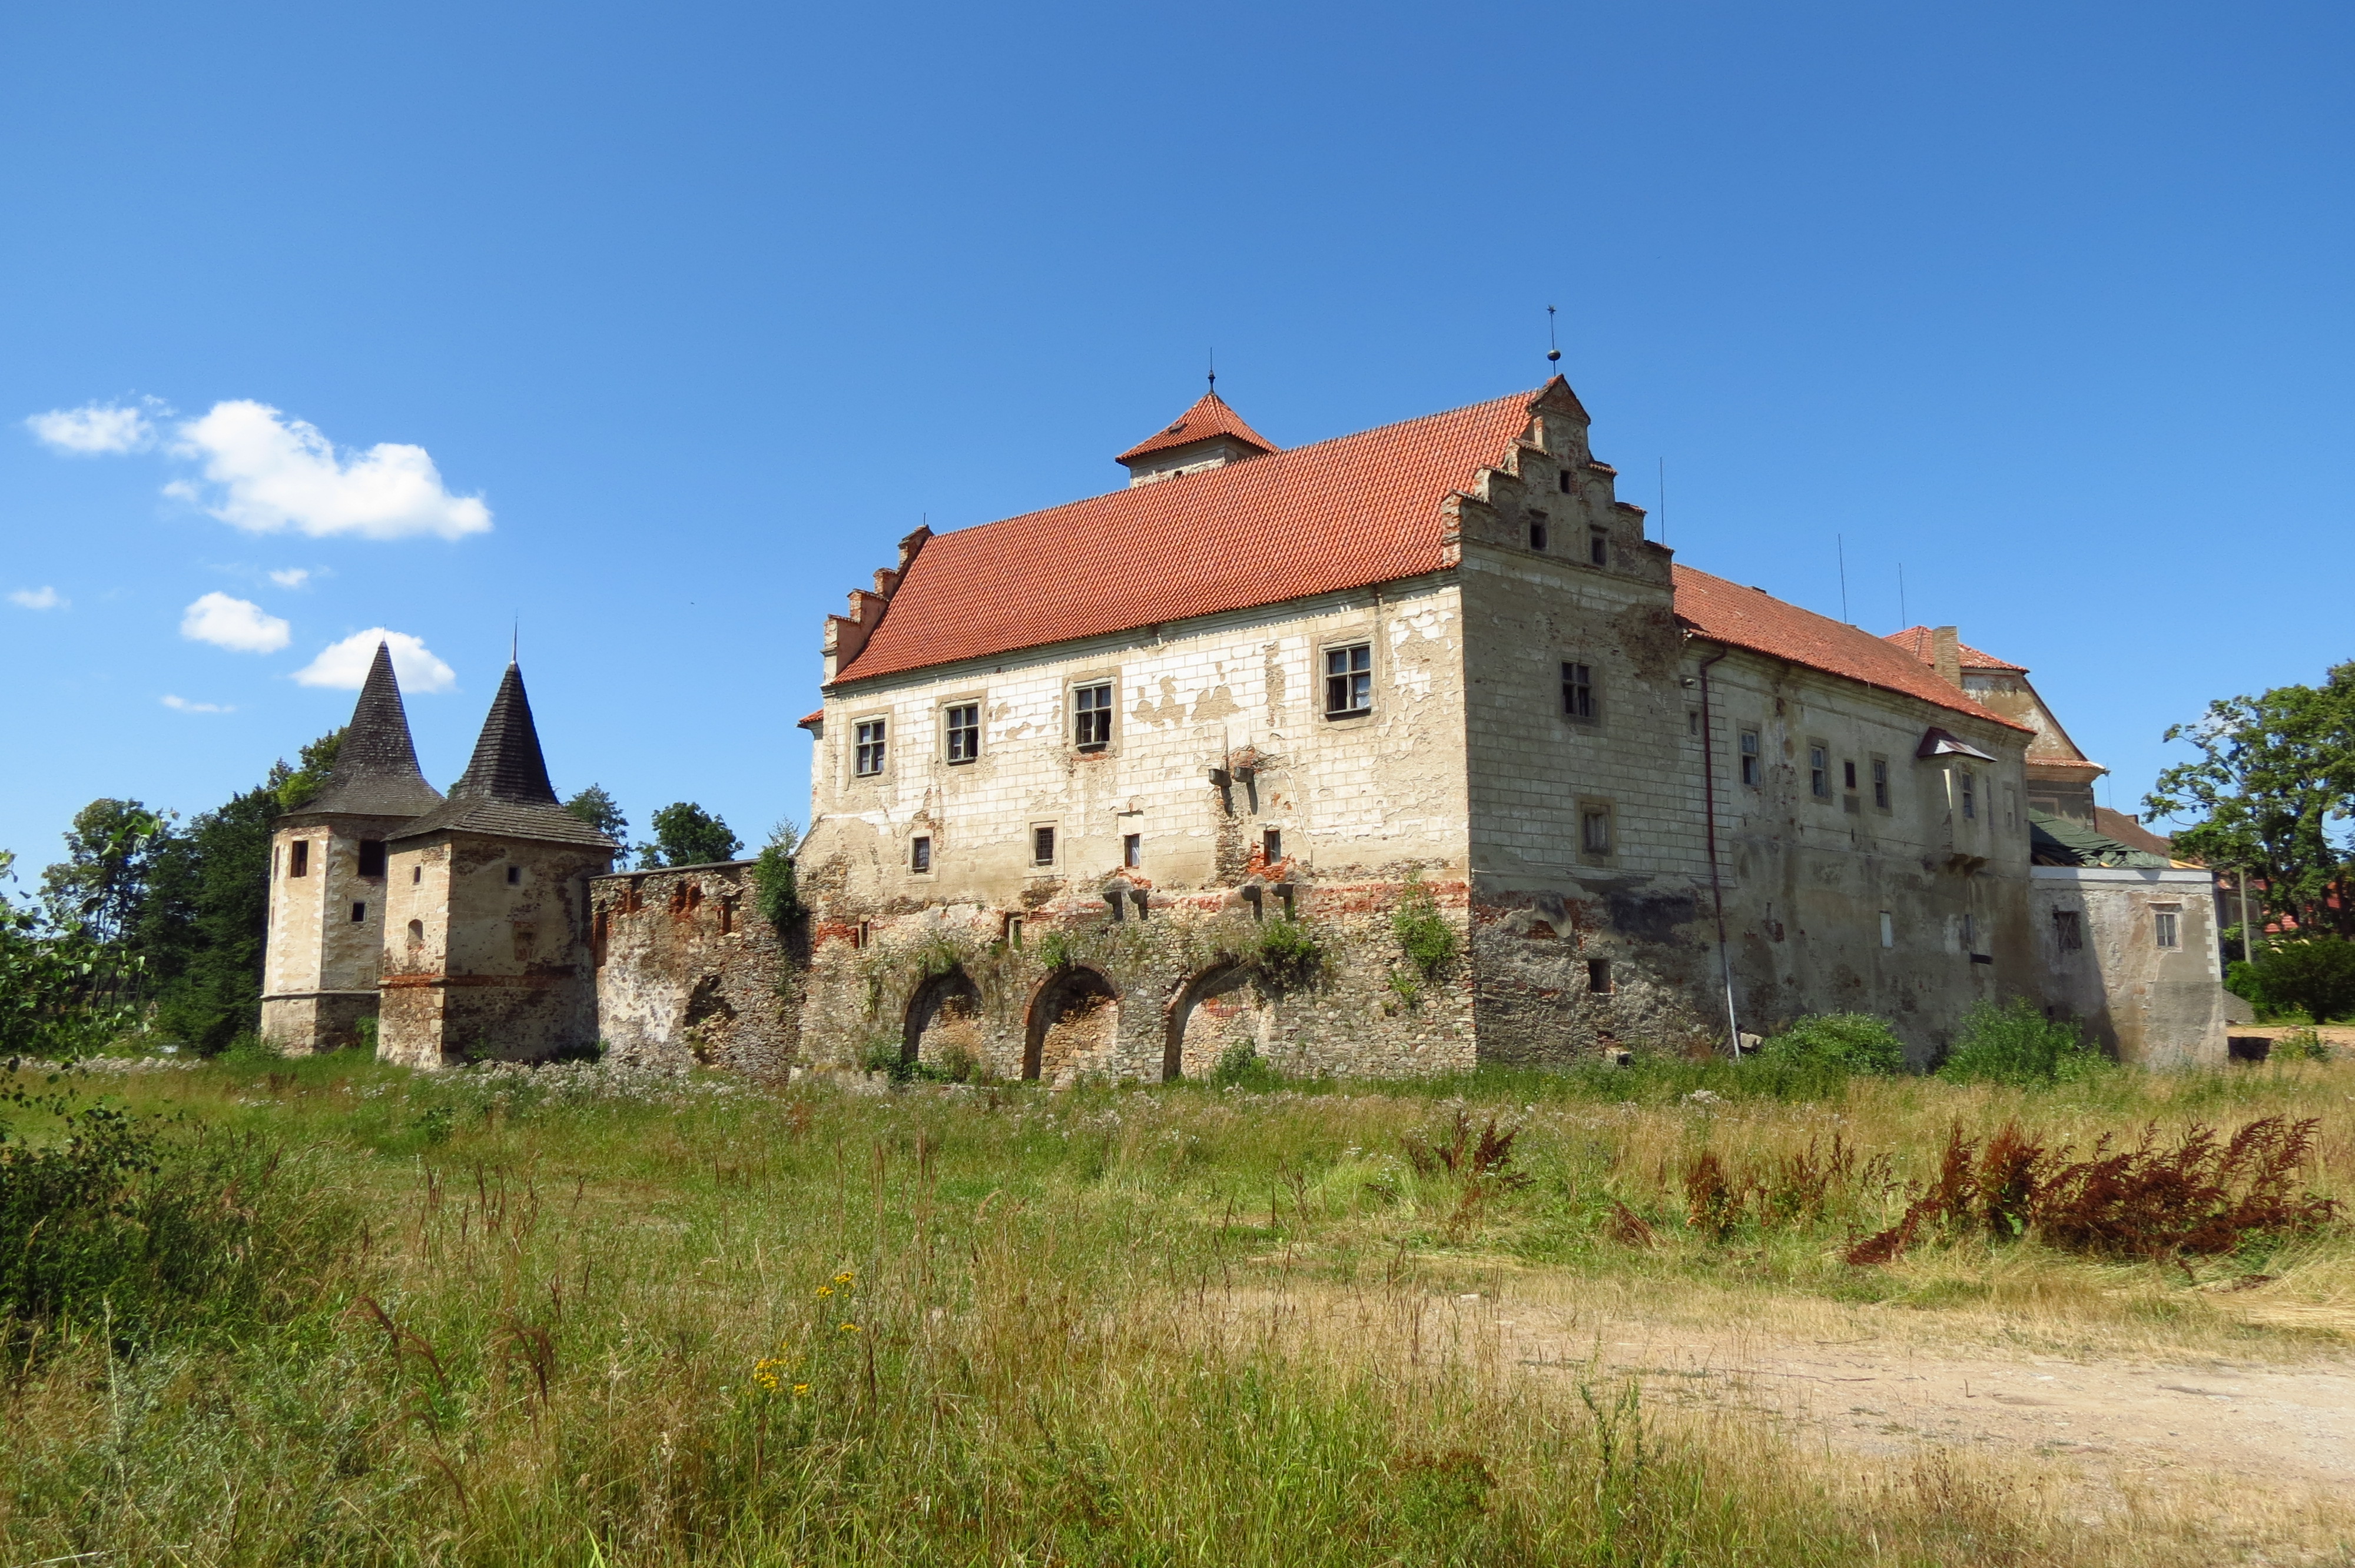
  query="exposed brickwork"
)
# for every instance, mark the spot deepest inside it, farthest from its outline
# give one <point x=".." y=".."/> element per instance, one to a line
<point x="689" y="971"/>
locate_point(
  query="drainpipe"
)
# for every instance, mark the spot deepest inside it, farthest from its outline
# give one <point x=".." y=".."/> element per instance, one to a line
<point x="1716" y="884"/>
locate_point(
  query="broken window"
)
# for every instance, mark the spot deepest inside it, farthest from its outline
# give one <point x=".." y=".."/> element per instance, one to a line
<point x="1349" y="680"/>
<point x="371" y="857"/>
<point x="1562" y="481"/>
<point x="1577" y="691"/>
<point x="2164" y="928"/>
<point x="1598" y="547"/>
<point x="298" y="858"/>
<point x="1132" y="850"/>
<point x="964" y="721"/>
<point x="1598" y="976"/>
<point x="1881" y="783"/>
<point x="1753" y="765"/>
<point x="919" y="854"/>
<point x="1819" y="769"/>
<point x="1042" y="846"/>
<point x="2068" y="930"/>
<point x="869" y="760"/>
<point x="1091" y="716"/>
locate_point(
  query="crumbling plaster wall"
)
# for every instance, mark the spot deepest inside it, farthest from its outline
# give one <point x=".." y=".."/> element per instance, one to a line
<point x="2149" y="1005"/>
<point x="319" y="964"/>
<point x="689" y="972"/>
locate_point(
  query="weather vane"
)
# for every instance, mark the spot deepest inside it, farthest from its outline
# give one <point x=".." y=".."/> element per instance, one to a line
<point x="1553" y="350"/>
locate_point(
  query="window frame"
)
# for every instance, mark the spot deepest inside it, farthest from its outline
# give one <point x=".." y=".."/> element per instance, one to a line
<point x="1096" y="718"/>
<point x="919" y="854"/>
<point x="1879" y="768"/>
<point x="1343" y="647"/>
<point x="1590" y="813"/>
<point x="1577" y="685"/>
<point x="953" y="732"/>
<point x="2068" y="931"/>
<point x="864" y="750"/>
<point x="1053" y="842"/>
<point x="1132" y="850"/>
<point x="1538" y="534"/>
<point x="1967" y="793"/>
<point x="298" y="858"/>
<point x="378" y="858"/>
<point x="1598" y="547"/>
<point x="1819" y="769"/>
<point x="1751" y="747"/>
<point x="2167" y="927"/>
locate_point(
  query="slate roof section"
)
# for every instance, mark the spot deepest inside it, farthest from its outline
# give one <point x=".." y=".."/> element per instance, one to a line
<point x="375" y="772"/>
<point x="1921" y="643"/>
<point x="1753" y="619"/>
<point x="504" y="793"/>
<point x="1208" y="419"/>
<point x="2132" y="833"/>
<point x="1342" y="514"/>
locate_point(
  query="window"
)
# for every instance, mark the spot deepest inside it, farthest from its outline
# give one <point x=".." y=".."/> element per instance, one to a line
<point x="1577" y="692"/>
<point x="1091" y="716"/>
<point x="1753" y="765"/>
<point x="1595" y="828"/>
<point x="417" y="933"/>
<point x="868" y="763"/>
<point x="1537" y="535"/>
<point x="371" y="857"/>
<point x="1970" y="794"/>
<point x="1598" y="547"/>
<point x="1970" y="933"/>
<point x="964" y="723"/>
<point x="1132" y="850"/>
<point x="2068" y="931"/>
<point x="919" y="854"/>
<point x="2010" y="808"/>
<point x="416" y="874"/>
<point x="1888" y="929"/>
<point x="863" y="935"/>
<point x="1848" y="775"/>
<point x="1349" y="680"/>
<point x="1819" y="771"/>
<point x="1692" y="720"/>
<point x="2164" y="927"/>
<point x="1271" y="845"/>
<point x="359" y="912"/>
<point x="1881" y="783"/>
<point x="298" y="858"/>
<point x="515" y="876"/>
<point x="1013" y="930"/>
<point x="1598" y="976"/>
<point x="1042" y="846"/>
<point x="1562" y="480"/>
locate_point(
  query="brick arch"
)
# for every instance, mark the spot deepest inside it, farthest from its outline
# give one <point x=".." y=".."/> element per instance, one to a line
<point x="1222" y="975"/>
<point x="940" y="999"/>
<point x="1064" y="998"/>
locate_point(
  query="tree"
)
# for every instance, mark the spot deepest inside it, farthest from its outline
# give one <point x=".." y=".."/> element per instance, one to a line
<point x="603" y="813"/>
<point x="2275" y="786"/>
<point x="773" y="876"/>
<point x="61" y="991"/>
<point x="296" y="785"/>
<point x="101" y="886"/>
<point x="686" y="834"/>
<point x="207" y="916"/>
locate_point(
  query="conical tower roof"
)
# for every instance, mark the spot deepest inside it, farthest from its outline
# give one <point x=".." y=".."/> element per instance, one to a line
<point x="505" y="791"/>
<point x="375" y="772"/>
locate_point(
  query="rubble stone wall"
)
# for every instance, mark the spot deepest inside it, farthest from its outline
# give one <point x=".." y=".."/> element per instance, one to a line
<point x="689" y="972"/>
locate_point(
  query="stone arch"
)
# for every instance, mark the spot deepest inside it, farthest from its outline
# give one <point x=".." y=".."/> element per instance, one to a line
<point x="944" y="1013"/>
<point x="1074" y="1022"/>
<point x="1216" y="1009"/>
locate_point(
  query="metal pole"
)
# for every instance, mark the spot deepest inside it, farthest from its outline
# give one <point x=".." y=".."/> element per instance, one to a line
<point x="1716" y="887"/>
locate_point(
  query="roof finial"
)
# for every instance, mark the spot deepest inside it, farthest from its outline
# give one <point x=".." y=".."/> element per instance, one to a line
<point x="1214" y="371"/>
<point x="514" y="639"/>
<point x="1553" y="350"/>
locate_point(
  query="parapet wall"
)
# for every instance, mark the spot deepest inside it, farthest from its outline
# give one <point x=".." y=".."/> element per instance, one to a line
<point x="689" y="972"/>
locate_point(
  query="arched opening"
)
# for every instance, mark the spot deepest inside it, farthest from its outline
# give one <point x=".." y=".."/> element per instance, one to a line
<point x="1075" y="1020"/>
<point x="943" y="1019"/>
<point x="1215" y="1011"/>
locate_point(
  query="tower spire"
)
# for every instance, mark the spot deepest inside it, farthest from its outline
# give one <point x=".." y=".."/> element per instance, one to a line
<point x="376" y="771"/>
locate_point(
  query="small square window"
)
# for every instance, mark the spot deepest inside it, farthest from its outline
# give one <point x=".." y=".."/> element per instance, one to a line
<point x="962" y="726"/>
<point x="371" y="857"/>
<point x="1271" y="845"/>
<point x="1132" y="850"/>
<point x="1881" y="783"/>
<point x="1594" y="829"/>
<point x="1537" y="535"/>
<point x="2164" y="928"/>
<point x="515" y="876"/>
<point x="1578" y="691"/>
<point x="869" y="760"/>
<point x="2068" y="931"/>
<point x="298" y="858"/>
<point x="1598" y="547"/>
<point x="1598" y="976"/>
<point x="1091" y="716"/>
<point x="919" y="854"/>
<point x="1819" y="771"/>
<point x="1349" y="680"/>
<point x="359" y="912"/>
<point x="1753" y="765"/>
<point x="1042" y="846"/>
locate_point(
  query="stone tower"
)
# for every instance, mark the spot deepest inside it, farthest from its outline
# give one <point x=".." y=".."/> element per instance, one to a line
<point x="327" y="877"/>
<point x="486" y="932"/>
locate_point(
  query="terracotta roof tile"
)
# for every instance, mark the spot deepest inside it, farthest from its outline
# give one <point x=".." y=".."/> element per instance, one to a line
<point x="1208" y="418"/>
<point x="1341" y="514"/>
<point x="1919" y="641"/>
<point x="1753" y="619"/>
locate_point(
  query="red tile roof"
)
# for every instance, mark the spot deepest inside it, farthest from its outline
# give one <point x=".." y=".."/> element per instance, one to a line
<point x="1921" y="643"/>
<point x="1342" y="514"/>
<point x="1753" y="619"/>
<point x="1208" y="418"/>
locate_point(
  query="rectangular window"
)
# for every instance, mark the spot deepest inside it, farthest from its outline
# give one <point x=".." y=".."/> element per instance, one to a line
<point x="371" y="857"/>
<point x="515" y="876"/>
<point x="1692" y="720"/>
<point x="1042" y="846"/>
<point x="1594" y="829"/>
<point x="1970" y="933"/>
<point x="1970" y="794"/>
<point x="1888" y="929"/>
<point x="1562" y="480"/>
<point x="1753" y="765"/>
<point x="1012" y="932"/>
<point x="1881" y="783"/>
<point x="2068" y="931"/>
<point x="1848" y="775"/>
<point x="1132" y="850"/>
<point x="1598" y="547"/>
<point x="1091" y="717"/>
<point x="359" y="912"/>
<point x="1598" y="976"/>
<point x="1271" y="845"/>
<point x="298" y="858"/>
<point x="2164" y="927"/>
<point x="1349" y="680"/>
<point x="919" y="854"/>
<point x="868" y="763"/>
<point x="964" y="725"/>
<point x="1819" y="769"/>
<point x="1577" y="692"/>
<point x="2010" y="808"/>
<point x="1537" y="535"/>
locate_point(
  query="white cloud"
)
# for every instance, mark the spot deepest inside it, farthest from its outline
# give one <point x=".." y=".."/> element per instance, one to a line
<point x="182" y="704"/>
<point x="271" y="473"/>
<point x="291" y="577"/>
<point x="344" y="665"/>
<point x="237" y="624"/>
<point x="44" y="598"/>
<point x="94" y="428"/>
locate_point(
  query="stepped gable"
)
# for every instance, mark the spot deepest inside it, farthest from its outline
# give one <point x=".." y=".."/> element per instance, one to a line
<point x="1344" y="513"/>
<point x="1750" y="618"/>
<point x="1208" y="419"/>
<point x="375" y="772"/>
<point x="504" y="793"/>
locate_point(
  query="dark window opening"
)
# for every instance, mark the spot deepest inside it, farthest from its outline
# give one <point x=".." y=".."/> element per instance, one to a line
<point x="1349" y="680"/>
<point x="862" y="933"/>
<point x="1848" y="775"/>
<point x="1271" y="845"/>
<point x="1042" y="846"/>
<point x="1598" y="547"/>
<point x="727" y="916"/>
<point x="359" y="912"/>
<point x="1013" y="931"/>
<point x="1091" y="717"/>
<point x="416" y="874"/>
<point x="965" y="732"/>
<point x="1577" y="692"/>
<point x="417" y="933"/>
<point x="515" y="876"/>
<point x="1132" y="850"/>
<point x="1537" y="535"/>
<point x="1753" y="765"/>
<point x="1563" y="479"/>
<point x="919" y="854"/>
<point x="1692" y="720"/>
<point x="371" y="857"/>
<point x="1598" y="976"/>
<point x="1881" y="784"/>
<point x="868" y="761"/>
<point x="2068" y="931"/>
<point x="298" y="858"/>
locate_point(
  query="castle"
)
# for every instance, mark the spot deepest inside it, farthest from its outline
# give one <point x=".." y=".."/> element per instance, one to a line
<point x="1390" y="755"/>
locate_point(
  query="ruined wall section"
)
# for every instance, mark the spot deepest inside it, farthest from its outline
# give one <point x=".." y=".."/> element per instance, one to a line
<point x="691" y="973"/>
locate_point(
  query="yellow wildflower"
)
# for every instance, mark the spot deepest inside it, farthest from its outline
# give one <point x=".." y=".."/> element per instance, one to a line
<point x="800" y="1389"/>
<point x="850" y="1328"/>
<point x="843" y="1278"/>
<point x="825" y="1290"/>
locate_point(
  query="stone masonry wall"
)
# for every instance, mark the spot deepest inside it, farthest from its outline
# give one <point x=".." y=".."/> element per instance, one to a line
<point x="2151" y="1005"/>
<point x="319" y="968"/>
<point x="689" y="971"/>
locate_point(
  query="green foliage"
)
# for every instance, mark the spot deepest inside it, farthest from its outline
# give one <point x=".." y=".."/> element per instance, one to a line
<point x="61" y="993"/>
<point x="2302" y="1045"/>
<point x="686" y="834"/>
<point x="367" y="1031"/>
<point x="295" y="787"/>
<point x="597" y="807"/>
<point x="2275" y="776"/>
<point x="206" y="917"/>
<point x="1057" y="950"/>
<point x="101" y="886"/>
<point x="1851" y="1041"/>
<point x="1287" y="951"/>
<point x="1423" y="934"/>
<point x="2315" y="976"/>
<point x="774" y="887"/>
<point x="1241" y="1066"/>
<point x="2016" y="1045"/>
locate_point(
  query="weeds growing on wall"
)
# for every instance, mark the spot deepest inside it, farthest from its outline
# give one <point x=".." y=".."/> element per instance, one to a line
<point x="1287" y="951"/>
<point x="1423" y="934"/>
<point x="775" y="889"/>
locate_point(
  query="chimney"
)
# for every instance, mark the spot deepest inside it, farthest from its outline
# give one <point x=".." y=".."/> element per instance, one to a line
<point x="1946" y="655"/>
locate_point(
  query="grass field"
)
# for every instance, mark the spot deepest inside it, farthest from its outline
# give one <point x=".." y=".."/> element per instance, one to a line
<point x="587" y="1315"/>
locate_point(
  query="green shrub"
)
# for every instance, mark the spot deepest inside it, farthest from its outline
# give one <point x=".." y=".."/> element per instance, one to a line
<point x="2015" y="1044"/>
<point x="2301" y="1045"/>
<point x="367" y="1031"/>
<point x="1241" y="1066"/>
<point x="1285" y="950"/>
<point x="1853" y="1042"/>
<point x="775" y="888"/>
<point x="2315" y="976"/>
<point x="1423" y="934"/>
<point x="1057" y="950"/>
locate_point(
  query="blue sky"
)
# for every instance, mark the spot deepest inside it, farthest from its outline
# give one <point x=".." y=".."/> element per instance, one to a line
<point x="655" y="327"/>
